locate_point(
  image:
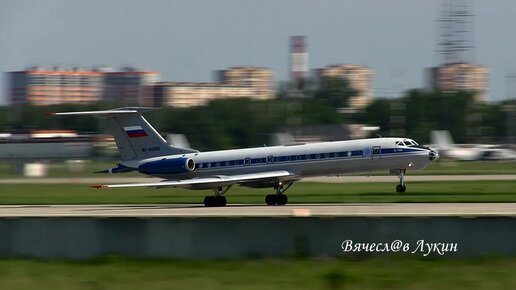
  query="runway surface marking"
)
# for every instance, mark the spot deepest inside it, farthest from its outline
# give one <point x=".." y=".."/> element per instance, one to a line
<point x="331" y="179"/>
<point x="248" y="210"/>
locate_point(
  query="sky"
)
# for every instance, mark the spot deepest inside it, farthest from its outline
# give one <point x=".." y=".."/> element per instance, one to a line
<point x="188" y="40"/>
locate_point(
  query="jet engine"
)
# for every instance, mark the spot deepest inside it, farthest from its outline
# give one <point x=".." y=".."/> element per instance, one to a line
<point x="167" y="166"/>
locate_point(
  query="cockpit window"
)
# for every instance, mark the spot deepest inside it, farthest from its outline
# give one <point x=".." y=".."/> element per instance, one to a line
<point x="407" y="142"/>
<point x="410" y="143"/>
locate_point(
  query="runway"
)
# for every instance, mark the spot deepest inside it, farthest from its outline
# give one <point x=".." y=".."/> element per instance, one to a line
<point x="248" y="210"/>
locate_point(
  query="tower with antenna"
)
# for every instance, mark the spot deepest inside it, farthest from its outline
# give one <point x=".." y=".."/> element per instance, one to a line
<point x="456" y="70"/>
<point x="455" y="32"/>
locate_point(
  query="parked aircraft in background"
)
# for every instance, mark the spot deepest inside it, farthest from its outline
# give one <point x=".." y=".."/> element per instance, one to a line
<point x="443" y="142"/>
<point x="142" y="149"/>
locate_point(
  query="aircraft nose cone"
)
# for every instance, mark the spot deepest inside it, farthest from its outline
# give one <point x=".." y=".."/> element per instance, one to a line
<point x="433" y="155"/>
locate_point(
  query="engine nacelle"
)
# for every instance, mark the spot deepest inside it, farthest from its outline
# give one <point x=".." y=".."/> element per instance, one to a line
<point x="168" y="166"/>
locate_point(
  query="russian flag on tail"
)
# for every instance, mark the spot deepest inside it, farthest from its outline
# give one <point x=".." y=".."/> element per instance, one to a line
<point x="135" y="132"/>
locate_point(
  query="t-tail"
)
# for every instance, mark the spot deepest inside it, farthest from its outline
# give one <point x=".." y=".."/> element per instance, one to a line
<point x="135" y="138"/>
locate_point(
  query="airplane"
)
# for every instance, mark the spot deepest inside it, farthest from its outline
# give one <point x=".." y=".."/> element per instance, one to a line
<point x="443" y="142"/>
<point x="142" y="149"/>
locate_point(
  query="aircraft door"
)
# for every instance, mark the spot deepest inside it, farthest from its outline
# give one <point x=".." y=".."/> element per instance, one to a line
<point x="376" y="152"/>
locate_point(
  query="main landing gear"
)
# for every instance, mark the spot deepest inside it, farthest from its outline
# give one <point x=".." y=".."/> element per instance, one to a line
<point x="279" y="198"/>
<point x="217" y="199"/>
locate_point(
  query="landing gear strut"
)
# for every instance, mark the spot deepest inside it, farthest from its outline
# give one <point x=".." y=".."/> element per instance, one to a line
<point x="279" y="198"/>
<point x="218" y="198"/>
<point x="401" y="187"/>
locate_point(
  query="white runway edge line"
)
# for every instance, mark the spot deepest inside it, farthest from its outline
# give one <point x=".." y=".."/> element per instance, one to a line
<point x="247" y="210"/>
<point x="331" y="179"/>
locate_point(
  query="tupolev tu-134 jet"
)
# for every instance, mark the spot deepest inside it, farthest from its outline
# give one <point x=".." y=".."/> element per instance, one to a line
<point x="143" y="149"/>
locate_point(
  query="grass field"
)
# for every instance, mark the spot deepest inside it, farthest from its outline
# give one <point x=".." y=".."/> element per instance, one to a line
<point x="441" y="167"/>
<point x="377" y="273"/>
<point x="304" y="192"/>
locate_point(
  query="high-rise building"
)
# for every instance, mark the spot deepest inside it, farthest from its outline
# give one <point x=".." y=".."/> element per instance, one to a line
<point x="259" y="79"/>
<point x="359" y="78"/>
<point x="130" y="86"/>
<point x="184" y="95"/>
<point x="460" y="77"/>
<point x="237" y="82"/>
<point x="41" y="86"/>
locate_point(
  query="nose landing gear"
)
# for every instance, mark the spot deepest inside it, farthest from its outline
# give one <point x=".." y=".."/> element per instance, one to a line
<point x="401" y="175"/>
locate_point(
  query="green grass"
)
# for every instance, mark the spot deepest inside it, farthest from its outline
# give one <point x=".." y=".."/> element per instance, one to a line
<point x="450" y="167"/>
<point x="442" y="167"/>
<point x="302" y="192"/>
<point x="377" y="273"/>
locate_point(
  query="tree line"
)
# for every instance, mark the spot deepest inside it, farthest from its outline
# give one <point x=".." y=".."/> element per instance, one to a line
<point x="234" y="123"/>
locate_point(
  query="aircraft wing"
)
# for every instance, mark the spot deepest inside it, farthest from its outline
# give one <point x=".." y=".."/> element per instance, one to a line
<point x="209" y="182"/>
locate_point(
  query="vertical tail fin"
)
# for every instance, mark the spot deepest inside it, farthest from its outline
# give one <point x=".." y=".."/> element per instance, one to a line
<point x="442" y="138"/>
<point x="134" y="136"/>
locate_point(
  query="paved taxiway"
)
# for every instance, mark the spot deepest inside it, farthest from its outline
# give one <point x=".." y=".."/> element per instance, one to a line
<point x="195" y="210"/>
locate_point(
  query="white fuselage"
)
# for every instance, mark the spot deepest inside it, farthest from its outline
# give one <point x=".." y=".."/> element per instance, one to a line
<point x="316" y="159"/>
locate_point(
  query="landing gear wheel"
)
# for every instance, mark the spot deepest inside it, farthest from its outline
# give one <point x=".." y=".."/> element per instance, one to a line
<point x="212" y="201"/>
<point x="401" y="188"/>
<point x="209" y="201"/>
<point x="276" y="199"/>
<point x="270" y="199"/>
<point x="281" y="199"/>
<point x="220" y="200"/>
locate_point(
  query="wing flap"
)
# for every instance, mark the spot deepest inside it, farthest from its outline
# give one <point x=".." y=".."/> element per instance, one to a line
<point x="206" y="182"/>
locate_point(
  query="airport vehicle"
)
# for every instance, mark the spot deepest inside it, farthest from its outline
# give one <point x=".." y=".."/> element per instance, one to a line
<point x="443" y="142"/>
<point x="142" y="149"/>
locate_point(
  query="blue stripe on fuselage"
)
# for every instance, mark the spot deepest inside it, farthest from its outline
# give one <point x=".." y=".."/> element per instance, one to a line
<point x="282" y="159"/>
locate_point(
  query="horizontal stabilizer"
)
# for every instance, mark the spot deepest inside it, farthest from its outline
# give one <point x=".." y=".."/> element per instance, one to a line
<point x="119" y="169"/>
<point x="119" y="111"/>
